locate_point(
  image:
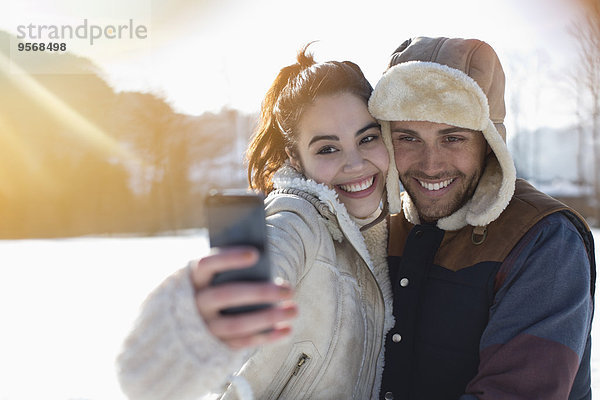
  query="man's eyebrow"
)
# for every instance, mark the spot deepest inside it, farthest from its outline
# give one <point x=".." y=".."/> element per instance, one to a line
<point x="404" y="130"/>
<point x="456" y="129"/>
<point x="323" y="137"/>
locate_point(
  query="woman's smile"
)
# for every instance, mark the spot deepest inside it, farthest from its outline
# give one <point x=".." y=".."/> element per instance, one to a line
<point x="358" y="188"/>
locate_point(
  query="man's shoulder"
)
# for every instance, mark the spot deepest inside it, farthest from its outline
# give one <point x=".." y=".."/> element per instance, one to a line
<point x="526" y="196"/>
<point x="530" y="206"/>
<point x="541" y="219"/>
<point x="527" y="207"/>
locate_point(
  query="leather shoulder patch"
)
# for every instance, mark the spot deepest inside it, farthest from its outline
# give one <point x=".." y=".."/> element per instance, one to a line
<point x="527" y="207"/>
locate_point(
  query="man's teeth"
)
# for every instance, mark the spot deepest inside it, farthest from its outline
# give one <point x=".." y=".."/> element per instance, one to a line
<point x="436" y="186"/>
<point x="357" y="187"/>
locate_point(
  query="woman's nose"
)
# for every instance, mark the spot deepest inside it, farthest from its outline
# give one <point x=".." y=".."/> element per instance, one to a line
<point x="354" y="161"/>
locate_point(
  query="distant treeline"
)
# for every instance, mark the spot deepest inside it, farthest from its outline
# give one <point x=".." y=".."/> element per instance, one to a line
<point x="77" y="158"/>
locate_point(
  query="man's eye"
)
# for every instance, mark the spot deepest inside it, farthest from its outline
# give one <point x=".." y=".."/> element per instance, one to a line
<point x="453" y="139"/>
<point x="404" y="139"/>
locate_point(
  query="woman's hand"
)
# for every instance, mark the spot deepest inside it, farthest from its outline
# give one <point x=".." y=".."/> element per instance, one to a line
<point x="247" y="329"/>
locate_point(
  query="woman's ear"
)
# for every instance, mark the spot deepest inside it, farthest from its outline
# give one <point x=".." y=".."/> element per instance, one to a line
<point x="294" y="161"/>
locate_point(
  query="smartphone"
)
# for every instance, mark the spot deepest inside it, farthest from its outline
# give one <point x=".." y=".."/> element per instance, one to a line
<point x="237" y="218"/>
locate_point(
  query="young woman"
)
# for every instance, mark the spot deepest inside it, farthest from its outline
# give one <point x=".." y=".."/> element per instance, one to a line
<point x="320" y="156"/>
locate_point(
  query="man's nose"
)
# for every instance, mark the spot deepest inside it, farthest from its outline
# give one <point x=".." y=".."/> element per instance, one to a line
<point x="432" y="160"/>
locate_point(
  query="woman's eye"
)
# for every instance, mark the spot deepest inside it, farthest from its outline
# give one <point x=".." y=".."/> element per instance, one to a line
<point x="369" y="138"/>
<point x="326" y="150"/>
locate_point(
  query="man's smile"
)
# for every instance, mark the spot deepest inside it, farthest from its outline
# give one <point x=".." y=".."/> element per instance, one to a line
<point x="435" y="186"/>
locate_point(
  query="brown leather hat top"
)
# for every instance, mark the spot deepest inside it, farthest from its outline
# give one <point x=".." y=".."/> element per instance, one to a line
<point x="474" y="57"/>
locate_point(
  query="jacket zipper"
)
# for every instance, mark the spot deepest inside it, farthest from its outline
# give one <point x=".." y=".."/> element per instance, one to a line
<point x="302" y="360"/>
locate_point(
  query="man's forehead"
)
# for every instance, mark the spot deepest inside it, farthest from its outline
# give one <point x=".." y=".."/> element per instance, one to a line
<point x="422" y="125"/>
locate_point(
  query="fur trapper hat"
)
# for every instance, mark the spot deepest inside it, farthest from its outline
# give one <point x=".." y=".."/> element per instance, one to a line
<point x="457" y="82"/>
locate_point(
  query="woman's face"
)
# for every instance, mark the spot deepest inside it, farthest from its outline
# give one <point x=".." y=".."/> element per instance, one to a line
<point x="339" y="144"/>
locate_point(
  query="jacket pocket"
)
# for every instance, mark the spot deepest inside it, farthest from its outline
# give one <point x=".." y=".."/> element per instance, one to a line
<point x="302" y="360"/>
<point x="296" y="374"/>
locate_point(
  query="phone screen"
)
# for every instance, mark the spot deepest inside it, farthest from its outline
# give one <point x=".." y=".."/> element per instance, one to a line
<point x="238" y="219"/>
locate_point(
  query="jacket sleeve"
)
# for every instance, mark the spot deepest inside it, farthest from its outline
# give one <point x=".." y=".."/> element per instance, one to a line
<point x="540" y="321"/>
<point x="295" y="238"/>
<point x="169" y="353"/>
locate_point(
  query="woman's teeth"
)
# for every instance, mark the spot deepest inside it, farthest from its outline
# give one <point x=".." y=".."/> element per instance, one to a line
<point x="357" y="187"/>
<point x="436" y="186"/>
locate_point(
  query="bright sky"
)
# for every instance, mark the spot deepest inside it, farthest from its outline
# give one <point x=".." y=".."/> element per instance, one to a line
<point x="203" y="55"/>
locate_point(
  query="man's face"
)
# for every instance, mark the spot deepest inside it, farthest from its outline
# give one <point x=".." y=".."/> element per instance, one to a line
<point x="439" y="165"/>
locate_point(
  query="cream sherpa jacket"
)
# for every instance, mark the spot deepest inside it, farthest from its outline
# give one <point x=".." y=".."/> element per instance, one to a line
<point x="336" y="347"/>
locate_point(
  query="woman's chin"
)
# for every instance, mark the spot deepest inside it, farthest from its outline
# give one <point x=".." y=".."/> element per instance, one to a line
<point x="363" y="211"/>
<point x="361" y="207"/>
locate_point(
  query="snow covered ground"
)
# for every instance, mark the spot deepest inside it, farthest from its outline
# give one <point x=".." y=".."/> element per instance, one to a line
<point x="65" y="306"/>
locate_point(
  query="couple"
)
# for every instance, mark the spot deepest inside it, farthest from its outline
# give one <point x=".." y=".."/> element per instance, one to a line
<point x="476" y="287"/>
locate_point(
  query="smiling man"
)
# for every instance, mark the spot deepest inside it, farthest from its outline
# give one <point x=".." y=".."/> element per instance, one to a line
<point x="440" y="165"/>
<point x="493" y="280"/>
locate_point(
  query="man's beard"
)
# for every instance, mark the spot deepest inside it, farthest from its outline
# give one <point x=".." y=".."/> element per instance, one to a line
<point x="431" y="210"/>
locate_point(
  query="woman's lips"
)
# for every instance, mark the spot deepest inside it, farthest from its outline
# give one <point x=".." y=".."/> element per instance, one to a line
<point x="358" y="189"/>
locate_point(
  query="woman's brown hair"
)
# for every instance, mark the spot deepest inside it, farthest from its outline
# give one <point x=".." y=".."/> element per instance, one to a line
<point x="295" y="87"/>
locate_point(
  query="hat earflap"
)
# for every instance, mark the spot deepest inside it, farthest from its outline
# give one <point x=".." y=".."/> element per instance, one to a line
<point x="392" y="179"/>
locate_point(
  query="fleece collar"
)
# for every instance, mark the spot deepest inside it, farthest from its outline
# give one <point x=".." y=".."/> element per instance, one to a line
<point x="427" y="91"/>
<point x="288" y="178"/>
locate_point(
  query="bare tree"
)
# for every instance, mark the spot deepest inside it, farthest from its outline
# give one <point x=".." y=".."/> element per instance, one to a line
<point x="526" y="88"/>
<point x="581" y="134"/>
<point x="541" y="68"/>
<point x="516" y="78"/>
<point x="587" y="32"/>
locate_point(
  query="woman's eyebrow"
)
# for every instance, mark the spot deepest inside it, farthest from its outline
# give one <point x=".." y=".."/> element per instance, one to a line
<point x="323" y="137"/>
<point x="367" y="127"/>
<point x="335" y="138"/>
